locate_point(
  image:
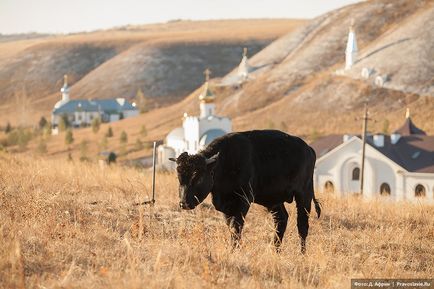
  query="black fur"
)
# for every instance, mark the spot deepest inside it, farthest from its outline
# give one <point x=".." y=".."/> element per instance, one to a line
<point x="265" y="167"/>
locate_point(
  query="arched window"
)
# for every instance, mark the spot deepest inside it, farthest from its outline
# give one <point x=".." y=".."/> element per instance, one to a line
<point x="329" y="188"/>
<point x="356" y="174"/>
<point x="420" y="191"/>
<point x="385" y="189"/>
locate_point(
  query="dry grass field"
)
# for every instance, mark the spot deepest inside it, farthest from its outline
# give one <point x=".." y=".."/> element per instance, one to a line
<point x="75" y="225"/>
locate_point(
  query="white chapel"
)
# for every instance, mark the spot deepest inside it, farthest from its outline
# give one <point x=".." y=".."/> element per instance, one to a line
<point x="196" y="132"/>
<point x="351" y="50"/>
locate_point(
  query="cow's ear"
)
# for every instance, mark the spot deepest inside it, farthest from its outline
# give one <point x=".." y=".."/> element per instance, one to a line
<point x="172" y="159"/>
<point x="212" y="160"/>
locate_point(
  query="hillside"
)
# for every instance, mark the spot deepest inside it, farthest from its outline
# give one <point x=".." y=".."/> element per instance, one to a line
<point x="296" y="87"/>
<point x="165" y="61"/>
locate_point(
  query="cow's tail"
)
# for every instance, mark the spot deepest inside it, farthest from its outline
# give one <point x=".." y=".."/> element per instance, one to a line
<point x="315" y="200"/>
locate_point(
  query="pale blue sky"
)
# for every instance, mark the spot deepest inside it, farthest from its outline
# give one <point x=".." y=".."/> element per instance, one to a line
<point x="61" y="16"/>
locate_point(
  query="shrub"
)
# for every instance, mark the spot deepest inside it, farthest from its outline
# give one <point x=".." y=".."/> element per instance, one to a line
<point x="138" y="145"/>
<point x="8" y="128"/>
<point x="69" y="137"/>
<point x="109" y="132"/>
<point x="124" y="137"/>
<point x="96" y="123"/>
<point x="42" y="123"/>
<point x="143" y="131"/>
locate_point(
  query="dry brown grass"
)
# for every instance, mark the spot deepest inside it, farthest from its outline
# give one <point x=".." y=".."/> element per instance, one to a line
<point x="74" y="225"/>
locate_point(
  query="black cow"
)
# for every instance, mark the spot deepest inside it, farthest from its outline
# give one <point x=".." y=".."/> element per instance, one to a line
<point x="266" y="167"/>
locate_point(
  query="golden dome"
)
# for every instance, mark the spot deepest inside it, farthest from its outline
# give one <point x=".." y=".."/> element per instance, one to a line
<point x="207" y="96"/>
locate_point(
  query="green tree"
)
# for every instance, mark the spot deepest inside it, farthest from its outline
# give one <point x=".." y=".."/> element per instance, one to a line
<point x="109" y="132"/>
<point x="46" y="131"/>
<point x="386" y="126"/>
<point x="63" y="123"/>
<point x="42" y="122"/>
<point x="124" y="138"/>
<point x="139" y="145"/>
<point x="23" y="138"/>
<point x="69" y="137"/>
<point x="141" y="101"/>
<point x="96" y="124"/>
<point x="143" y="131"/>
<point x="8" y="128"/>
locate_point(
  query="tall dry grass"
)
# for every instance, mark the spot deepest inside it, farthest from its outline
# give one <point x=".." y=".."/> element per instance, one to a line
<point x="74" y="225"/>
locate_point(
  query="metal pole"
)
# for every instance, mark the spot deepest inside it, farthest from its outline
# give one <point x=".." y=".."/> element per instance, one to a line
<point x="365" y="126"/>
<point x="153" y="172"/>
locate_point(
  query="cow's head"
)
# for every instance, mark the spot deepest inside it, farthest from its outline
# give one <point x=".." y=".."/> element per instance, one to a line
<point x="195" y="175"/>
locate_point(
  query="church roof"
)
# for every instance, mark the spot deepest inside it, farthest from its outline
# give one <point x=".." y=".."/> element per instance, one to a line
<point x="176" y="134"/>
<point x="106" y="105"/>
<point x="244" y="68"/>
<point x="210" y="135"/>
<point x="207" y="94"/>
<point x="415" y="153"/>
<point x="409" y="128"/>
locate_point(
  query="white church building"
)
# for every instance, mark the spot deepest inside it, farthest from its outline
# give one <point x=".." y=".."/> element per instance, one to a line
<point x="81" y="112"/>
<point x="196" y="132"/>
<point x="399" y="166"/>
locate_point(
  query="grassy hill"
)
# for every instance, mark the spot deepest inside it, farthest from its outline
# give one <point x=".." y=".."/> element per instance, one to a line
<point x="297" y="88"/>
<point x="75" y="225"/>
<point x="165" y="61"/>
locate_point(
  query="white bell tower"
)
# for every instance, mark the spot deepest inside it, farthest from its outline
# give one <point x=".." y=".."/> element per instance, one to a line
<point x="65" y="89"/>
<point x="207" y="105"/>
<point x="351" y="51"/>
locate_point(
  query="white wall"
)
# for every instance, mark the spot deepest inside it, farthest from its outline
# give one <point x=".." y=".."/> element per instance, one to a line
<point x="337" y="165"/>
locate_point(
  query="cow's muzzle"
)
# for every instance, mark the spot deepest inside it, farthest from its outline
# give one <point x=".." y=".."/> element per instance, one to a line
<point x="185" y="206"/>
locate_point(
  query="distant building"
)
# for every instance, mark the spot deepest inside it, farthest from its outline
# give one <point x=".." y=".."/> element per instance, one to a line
<point x="196" y="131"/>
<point x="351" y="51"/>
<point x="242" y="74"/>
<point x="81" y="112"/>
<point x="399" y="166"/>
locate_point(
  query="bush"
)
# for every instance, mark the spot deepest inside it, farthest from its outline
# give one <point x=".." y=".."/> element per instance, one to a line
<point x="96" y="123"/>
<point x="143" y="131"/>
<point x="63" y="123"/>
<point x="124" y="137"/>
<point x="19" y="137"/>
<point x="42" y="122"/>
<point x="138" y="145"/>
<point x="8" y="128"/>
<point x="69" y="137"/>
<point x="109" y="132"/>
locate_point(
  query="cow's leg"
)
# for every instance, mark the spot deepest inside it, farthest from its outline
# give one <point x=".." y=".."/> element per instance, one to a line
<point x="280" y="217"/>
<point x="235" y="221"/>
<point x="303" y="211"/>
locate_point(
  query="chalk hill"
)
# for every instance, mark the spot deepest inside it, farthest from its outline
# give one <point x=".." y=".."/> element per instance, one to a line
<point x="165" y="61"/>
<point x="296" y="87"/>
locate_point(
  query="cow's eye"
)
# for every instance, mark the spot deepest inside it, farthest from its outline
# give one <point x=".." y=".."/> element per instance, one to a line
<point x="195" y="177"/>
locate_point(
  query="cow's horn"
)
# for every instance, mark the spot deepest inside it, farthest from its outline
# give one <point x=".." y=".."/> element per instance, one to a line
<point x="172" y="159"/>
<point x="212" y="159"/>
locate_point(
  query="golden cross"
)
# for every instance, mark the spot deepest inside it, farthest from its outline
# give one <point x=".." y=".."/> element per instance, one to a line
<point x="245" y="51"/>
<point x="65" y="79"/>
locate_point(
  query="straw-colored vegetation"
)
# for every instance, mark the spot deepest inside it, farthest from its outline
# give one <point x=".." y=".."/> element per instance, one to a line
<point x="75" y="225"/>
